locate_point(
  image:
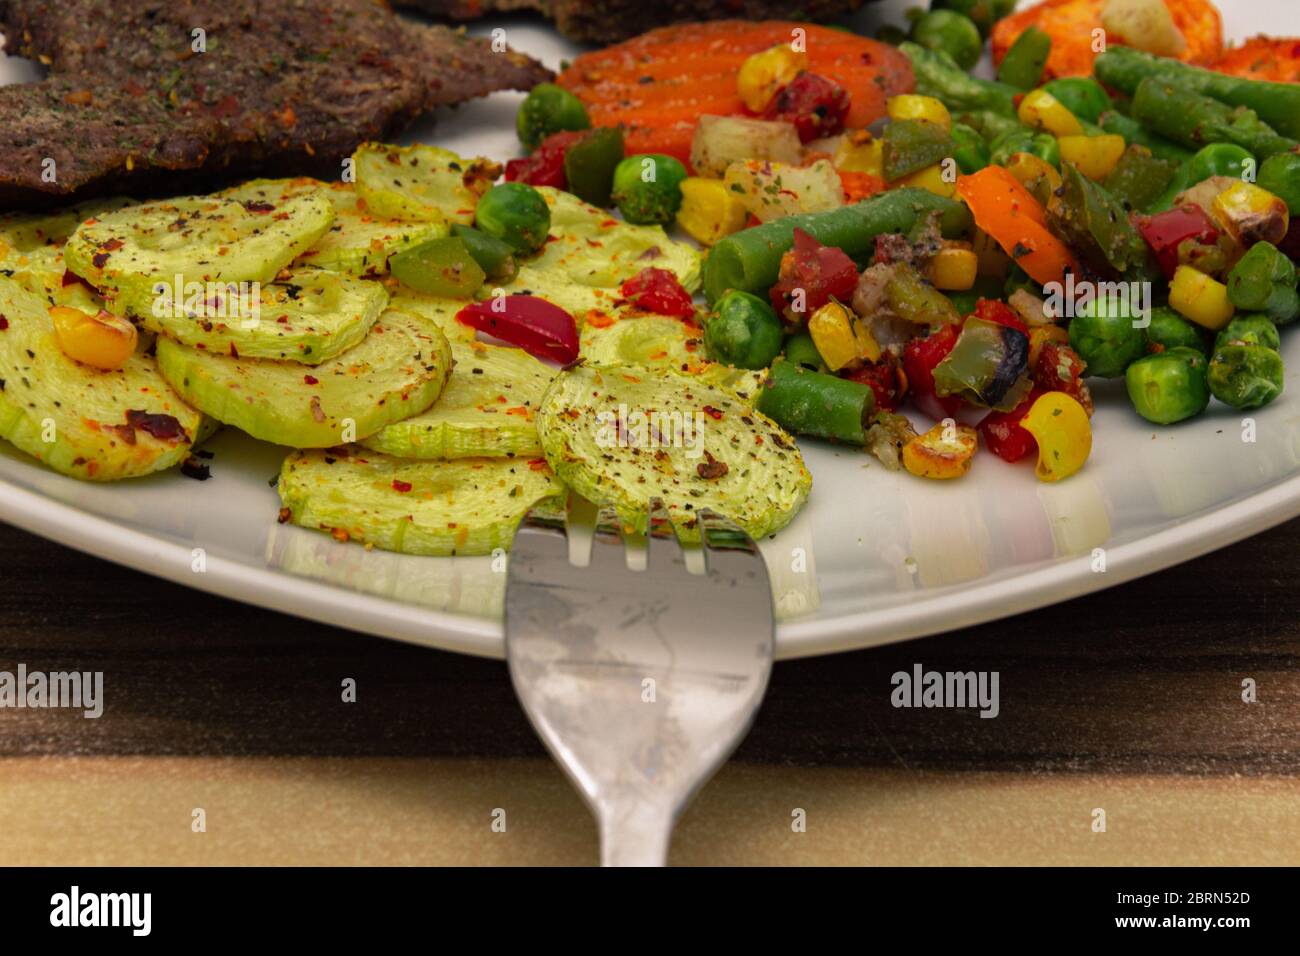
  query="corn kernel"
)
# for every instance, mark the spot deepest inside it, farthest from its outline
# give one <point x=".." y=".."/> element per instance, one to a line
<point x="1252" y="214"/>
<point x="831" y="328"/>
<point x="931" y="179"/>
<point x="104" y="341"/>
<point x="859" y="153"/>
<point x="868" y="347"/>
<point x="762" y="75"/>
<point x="1200" y="299"/>
<point x="1095" y="156"/>
<point x="1027" y="167"/>
<point x="993" y="261"/>
<point x="1061" y="428"/>
<point x="709" y="211"/>
<point x="944" y="452"/>
<point x="953" y="270"/>
<point x="910" y="106"/>
<point x="1042" y="110"/>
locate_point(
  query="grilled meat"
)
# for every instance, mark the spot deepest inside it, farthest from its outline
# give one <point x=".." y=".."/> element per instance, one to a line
<point x="163" y="95"/>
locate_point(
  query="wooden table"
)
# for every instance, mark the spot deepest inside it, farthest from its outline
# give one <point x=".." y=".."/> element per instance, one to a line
<point x="1129" y="701"/>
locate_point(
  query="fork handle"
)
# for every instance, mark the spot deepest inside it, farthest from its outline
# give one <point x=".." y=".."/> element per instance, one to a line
<point x="635" y="836"/>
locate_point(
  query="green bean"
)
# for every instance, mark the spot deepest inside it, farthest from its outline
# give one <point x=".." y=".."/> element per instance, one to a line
<point x="801" y="350"/>
<point x="1134" y="133"/>
<point x="1278" y="104"/>
<point x="1023" y="65"/>
<point x="750" y="260"/>
<point x="1195" y="120"/>
<point x="817" y="404"/>
<point x="969" y="149"/>
<point x="939" y="76"/>
<point x="1025" y="140"/>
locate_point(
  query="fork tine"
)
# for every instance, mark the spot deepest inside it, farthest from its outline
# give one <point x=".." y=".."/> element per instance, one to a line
<point x="607" y="539"/>
<point x="729" y="551"/>
<point x="664" y="551"/>
<point x="541" y="537"/>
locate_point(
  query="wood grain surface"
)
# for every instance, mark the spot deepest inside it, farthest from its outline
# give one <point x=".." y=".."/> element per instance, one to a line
<point x="1145" y="677"/>
<point x="1133" y="692"/>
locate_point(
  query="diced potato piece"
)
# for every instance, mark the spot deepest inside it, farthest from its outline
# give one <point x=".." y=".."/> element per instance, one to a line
<point x="944" y="452"/>
<point x="1095" y="156"/>
<point x="1252" y="214"/>
<point x="709" y="211"/>
<point x="1200" y="299"/>
<point x="1042" y="110"/>
<point x="1144" y="24"/>
<point x="723" y="140"/>
<point x="909" y="106"/>
<point x="953" y="270"/>
<point x="771" y="190"/>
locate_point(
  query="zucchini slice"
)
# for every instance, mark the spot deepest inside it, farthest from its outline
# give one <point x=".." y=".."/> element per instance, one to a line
<point x="81" y="421"/>
<point x="358" y="241"/>
<point x="308" y="316"/>
<point x="470" y="506"/>
<point x="41" y="271"/>
<point x="398" y="371"/>
<point x="421" y="183"/>
<point x="589" y="255"/>
<point x="487" y="409"/>
<point x="203" y="239"/>
<point x="621" y="435"/>
<point x="24" y="232"/>
<point x="665" y="343"/>
<point x="440" y="311"/>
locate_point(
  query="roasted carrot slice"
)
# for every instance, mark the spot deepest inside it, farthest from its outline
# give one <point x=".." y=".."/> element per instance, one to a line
<point x="659" y="84"/>
<point x="1263" y="58"/>
<point x="1017" y="221"/>
<point x="1070" y="24"/>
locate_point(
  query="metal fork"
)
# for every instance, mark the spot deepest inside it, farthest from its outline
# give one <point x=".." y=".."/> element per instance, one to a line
<point x="640" y="682"/>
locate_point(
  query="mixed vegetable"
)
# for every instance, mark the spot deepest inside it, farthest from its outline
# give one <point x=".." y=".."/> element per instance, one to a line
<point x="900" y="256"/>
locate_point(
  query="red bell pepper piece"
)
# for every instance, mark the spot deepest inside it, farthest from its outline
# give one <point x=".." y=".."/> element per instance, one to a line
<point x="814" y="274"/>
<point x="540" y="328"/>
<point x="884" y="380"/>
<point x="991" y="310"/>
<point x="1003" y="433"/>
<point x="657" y="290"/>
<point x="920" y="356"/>
<point x="545" y="167"/>
<point x="1165" y="231"/>
<point x="815" y="105"/>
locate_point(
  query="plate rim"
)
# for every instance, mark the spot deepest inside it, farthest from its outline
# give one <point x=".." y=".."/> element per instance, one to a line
<point x="959" y="606"/>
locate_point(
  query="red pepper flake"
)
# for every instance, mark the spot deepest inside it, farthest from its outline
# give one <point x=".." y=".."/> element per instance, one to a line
<point x="538" y="464"/>
<point x="712" y="412"/>
<point x="257" y="205"/>
<point x="4" y="324"/>
<point x="311" y="379"/>
<point x="402" y="486"/>
<point x="284" y="515"/>
<point x="162" y="427"/>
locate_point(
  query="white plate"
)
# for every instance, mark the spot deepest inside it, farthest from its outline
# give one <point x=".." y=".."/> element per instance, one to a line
<point x="875" y="557"/>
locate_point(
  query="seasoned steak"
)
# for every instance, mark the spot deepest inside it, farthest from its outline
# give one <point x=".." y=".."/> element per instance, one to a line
<point x="139" y="101"/>
<point x="606" y="21"/>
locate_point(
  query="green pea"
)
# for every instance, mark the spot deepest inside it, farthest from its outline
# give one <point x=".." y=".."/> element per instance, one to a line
<point x="1169" y="330"/>
<point x="952" y="33"/>
<point x="1081" y="95"/>
<point x="648" y="188"/>
<point x="1249" y="330"/>
<point x="743" y="331"/>
<point x="1169" y="386"/>
<point x="1264" y="280"/>
<point x="1280" y="175"/>
<point x="549" y="109"/>
<point x="983" y="13"/>
<point x="516" y="214"/>
<point x="1245" y="376"/>
<point x="971" y="152"/>
<point x="1107" y="341"/>
<point x="1218" y="159"/>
